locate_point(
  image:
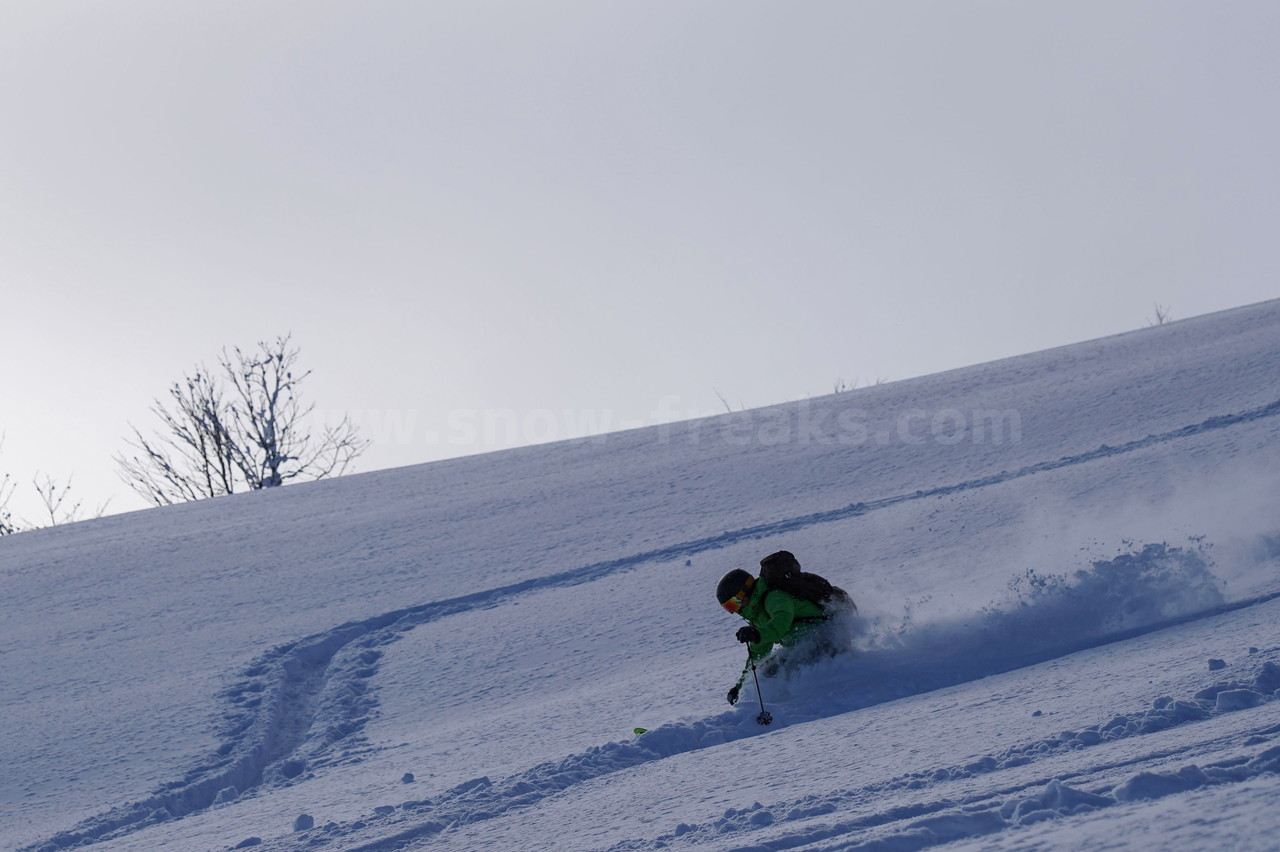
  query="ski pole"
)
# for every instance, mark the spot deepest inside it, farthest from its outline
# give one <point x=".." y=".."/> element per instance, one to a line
<point x="765" y="716"/>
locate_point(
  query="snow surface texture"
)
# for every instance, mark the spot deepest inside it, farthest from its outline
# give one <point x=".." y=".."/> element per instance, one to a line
<point x="1067" y="633"/>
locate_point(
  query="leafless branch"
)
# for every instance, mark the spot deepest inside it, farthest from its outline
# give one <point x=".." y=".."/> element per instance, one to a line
<point x="742" y="406"/>
<point x="54" y="497"/>
<point x="254" y="434"/>
<point x="7" y="526"/>
<point x="842" y="386"/>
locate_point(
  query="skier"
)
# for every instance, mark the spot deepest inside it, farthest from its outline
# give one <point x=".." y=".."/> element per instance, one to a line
<point x="783" y="606"/>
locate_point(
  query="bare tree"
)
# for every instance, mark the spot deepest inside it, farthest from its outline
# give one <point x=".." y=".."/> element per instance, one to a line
<point x="1161" y="315"/>
<point x="55" y="496"/>
<point x="272" y="442"/>
<point x="7" y="526"/>
<point x="841" y="386"/>
<point x="52" y="494"/>
<point x="240" y="430"/>
<point x="190" y="457"/>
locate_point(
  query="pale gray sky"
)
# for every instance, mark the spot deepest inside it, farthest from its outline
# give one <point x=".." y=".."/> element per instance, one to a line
<point x="593" y="207"/>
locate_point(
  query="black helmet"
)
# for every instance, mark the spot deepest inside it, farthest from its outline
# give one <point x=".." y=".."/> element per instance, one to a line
<point x="733" y="583"/>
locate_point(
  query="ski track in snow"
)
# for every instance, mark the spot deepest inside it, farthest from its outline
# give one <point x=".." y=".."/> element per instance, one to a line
<point x="926" y="823"/>
<point x="298" y="702"/>
<point x="944" y="820"/>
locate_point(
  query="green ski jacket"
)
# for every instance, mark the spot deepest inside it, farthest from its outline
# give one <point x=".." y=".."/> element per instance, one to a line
<point x="780" y="617"/>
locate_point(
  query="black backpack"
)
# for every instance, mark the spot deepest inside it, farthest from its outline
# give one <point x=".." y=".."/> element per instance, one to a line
<point x="781" y="570"/>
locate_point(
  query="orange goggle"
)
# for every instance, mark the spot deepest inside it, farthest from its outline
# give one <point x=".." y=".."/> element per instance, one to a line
<point x="735" y="603"/>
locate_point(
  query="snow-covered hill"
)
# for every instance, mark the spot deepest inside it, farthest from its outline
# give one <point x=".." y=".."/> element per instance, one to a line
<point x="1068" y="572"/>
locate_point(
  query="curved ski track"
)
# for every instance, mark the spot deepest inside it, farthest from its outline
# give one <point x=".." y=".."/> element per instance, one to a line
<point x="269" y="739"/>
<point x="925" y="823"/>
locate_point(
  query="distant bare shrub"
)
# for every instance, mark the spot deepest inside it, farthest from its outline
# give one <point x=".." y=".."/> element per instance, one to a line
<point x="6" y="520"/>
<point x="842" y="386"/>
<point x="53" y="495"/>
<point x="240" y="428"/>
<point x="59" y="508"/>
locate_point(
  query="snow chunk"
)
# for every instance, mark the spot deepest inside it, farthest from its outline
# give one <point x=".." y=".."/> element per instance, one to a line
<point x="1237" y="699"/>
<point x="1057" y="799"/>
<point x="474" y="784"/>
<point x="1268" y="680"/>
<point x="1155" y="785"/>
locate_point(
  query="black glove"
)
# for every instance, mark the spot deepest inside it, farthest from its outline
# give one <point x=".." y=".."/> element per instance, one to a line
<point x="748" y="634"/>
<point x="733" y="695"/>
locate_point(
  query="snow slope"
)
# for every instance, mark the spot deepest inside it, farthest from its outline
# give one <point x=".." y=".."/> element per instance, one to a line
<point x="1047" y="553"/>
